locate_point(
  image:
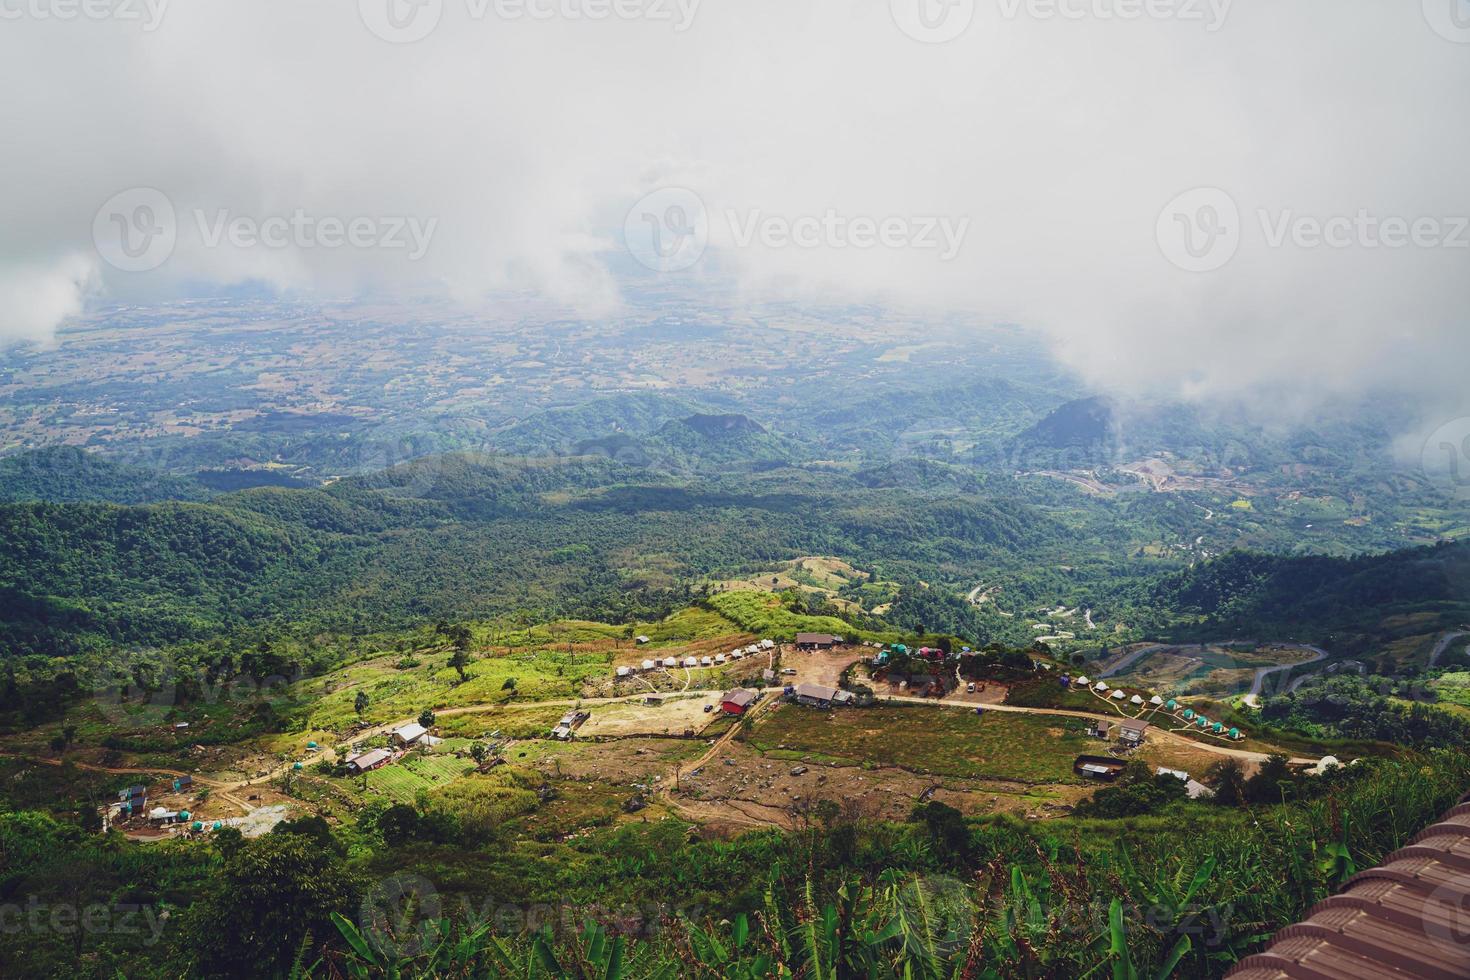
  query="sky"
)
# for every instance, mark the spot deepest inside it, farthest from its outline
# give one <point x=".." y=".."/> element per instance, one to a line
<point x="1197" y="199"/>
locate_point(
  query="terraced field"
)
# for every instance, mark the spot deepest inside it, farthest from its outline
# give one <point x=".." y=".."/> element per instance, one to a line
<point x="402" y="781"/>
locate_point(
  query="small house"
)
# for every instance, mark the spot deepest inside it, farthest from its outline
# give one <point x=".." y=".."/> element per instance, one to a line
<point x="368" y="761"/>
<point x="569" y="723"/>
<point x="1097" y="767"/>
<point x="183" y="784"/>
<point x="410" y="733"/>
<point x="815" y="641"/>
<point x="820" y="696"/>
<point x="641" y="639"/>
<point x="1131" y="730"/>
<point x="1194" y="790"/>
<point x="738" y="701"/>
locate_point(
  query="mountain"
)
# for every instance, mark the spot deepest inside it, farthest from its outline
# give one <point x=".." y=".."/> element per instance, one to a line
<point x="573" y="428"/>
<point x="1360" y="600"/>
<point x="1083" y="432"/>
<point x="67" y="474"/>
<point x="698" y="441"/>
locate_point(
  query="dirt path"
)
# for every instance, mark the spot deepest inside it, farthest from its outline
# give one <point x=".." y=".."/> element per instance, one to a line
<point x="120" y="770"/>
<point x="1254" y="697"/>
<point x="1443" y="645"/>
<point x="1129" y="659"/>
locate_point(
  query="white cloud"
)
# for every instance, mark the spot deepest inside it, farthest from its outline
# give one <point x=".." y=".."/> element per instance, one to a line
<point x="1059" y="139"/>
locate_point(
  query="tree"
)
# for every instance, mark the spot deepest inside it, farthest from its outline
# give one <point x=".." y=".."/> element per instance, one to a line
<point x="1272" y="781"/>
<point x="360" y="703"/>
<point x="947" y="831"/>
<point x="460" y="659"/>
<point x="270" y="894"/>
<point x="399" y="824"/>
<point x="426" y="717"/>
<point x="1227" y="779"/>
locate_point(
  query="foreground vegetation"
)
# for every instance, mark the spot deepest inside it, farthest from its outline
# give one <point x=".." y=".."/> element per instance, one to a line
<point x="425" y="892"/>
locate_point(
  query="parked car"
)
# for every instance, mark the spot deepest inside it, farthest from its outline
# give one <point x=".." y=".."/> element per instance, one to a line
<point x="971" y="687"/>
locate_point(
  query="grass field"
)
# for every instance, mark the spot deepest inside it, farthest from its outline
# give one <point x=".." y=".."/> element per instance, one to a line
<point x="395" y="693"/>
<point x="762" y="614"/>
<point x="921" y="739"/>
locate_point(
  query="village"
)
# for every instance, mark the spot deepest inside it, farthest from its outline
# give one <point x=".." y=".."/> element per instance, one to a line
<point x="750" y="734"/>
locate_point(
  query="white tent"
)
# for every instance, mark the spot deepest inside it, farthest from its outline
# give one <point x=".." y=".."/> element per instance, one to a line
<point x="1136" y="699"/>
<point x="624" y="671"/>
<point x="1119" y="695"/>
<point x="649" y="665"/>
<point x="1082" y="682"/>
<point x="720" y="658"/>
<point x="1101" y="685"/>
<point x="671" y="661"/>
<point x="1155" y="700"/>
<point x="691" y="661"/>
<point x="706" y="661"/>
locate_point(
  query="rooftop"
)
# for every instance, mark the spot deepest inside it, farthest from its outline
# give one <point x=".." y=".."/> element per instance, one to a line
<point x="1404" y="918"/>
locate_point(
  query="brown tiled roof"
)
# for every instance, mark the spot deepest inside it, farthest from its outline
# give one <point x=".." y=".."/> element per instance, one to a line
<point x="1409" y="917"/>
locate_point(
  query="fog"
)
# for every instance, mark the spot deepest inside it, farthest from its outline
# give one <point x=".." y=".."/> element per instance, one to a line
<point x="1039" y="150"/>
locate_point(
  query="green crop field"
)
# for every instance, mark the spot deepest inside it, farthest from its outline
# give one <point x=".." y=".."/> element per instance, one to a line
<point x="402" y="781"/>
<point x="946" y="741"/>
